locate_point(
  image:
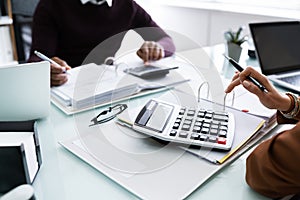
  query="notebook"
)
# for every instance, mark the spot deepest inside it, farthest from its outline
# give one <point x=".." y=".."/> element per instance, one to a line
<point x="25" y="91"/>
<point x="277" y="47"/>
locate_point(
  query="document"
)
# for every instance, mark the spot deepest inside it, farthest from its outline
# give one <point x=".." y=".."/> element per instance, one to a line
<point x="249" y="103"/>
<point x="94" y="85"/>
<point x="248" y="130"/>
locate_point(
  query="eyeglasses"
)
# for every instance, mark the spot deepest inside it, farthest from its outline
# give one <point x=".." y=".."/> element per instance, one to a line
<point x="108" y="114"/>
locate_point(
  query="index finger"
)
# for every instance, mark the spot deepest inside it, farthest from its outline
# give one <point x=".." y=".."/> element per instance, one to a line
<point x="232" y="85"/>
<point x="61" y="62"/>
<point x="56" y="69"/>
<point x="143" y="53"/>
<point x="249" y="71"/>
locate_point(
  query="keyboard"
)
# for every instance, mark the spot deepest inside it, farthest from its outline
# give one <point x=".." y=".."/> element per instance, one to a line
<point x="186" y="126"/>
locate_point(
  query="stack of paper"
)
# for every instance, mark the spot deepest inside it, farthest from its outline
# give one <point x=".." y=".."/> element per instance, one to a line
<point x="94" y="85"/>
<point x="91" y="84"/>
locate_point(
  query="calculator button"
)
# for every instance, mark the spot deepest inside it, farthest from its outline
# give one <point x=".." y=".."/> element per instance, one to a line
<point x="223" y="133"/>
<point x="222" y="118"/>
<point x="221" y="140"/>
<point x="197" y="129"/>
<point x="199" y="120"/>
<point x="223" y="123"/>
<point x="198" y="124"/>
<point x="176" y="125"/>
<point x="189" y="122"/>
<point x="203" y="138"/>
<point x="186" y="127"/>
<point x="205" y="130"/>
<point x="191" y="113"/>
<point x="206" y="125"/>
<point x="212" y="139"/>
<point x="189" y="118"/>
<point x="220" y="113"/>
<point x="178" y="120"/>
<point x="195" y="136"/>
<point x="207" y="121"/>
<point x="201" y="114"/>
<point x="173" y="133"/>
<point x="214" y="126"/>
<point x="209" y="112"/>
<point x="182" y="111"/>
<point x="223" y="128"/>
<point x="179" y="117"/>
<point x="213" y="131"/>
<point x="183" y="134"/>
<point x="208" y="115"/>
<point x="217" y="122"/>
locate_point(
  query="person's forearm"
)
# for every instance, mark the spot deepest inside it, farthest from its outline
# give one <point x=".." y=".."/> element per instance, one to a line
<point x="168" y="45"/>
<point x="273" y="167"/>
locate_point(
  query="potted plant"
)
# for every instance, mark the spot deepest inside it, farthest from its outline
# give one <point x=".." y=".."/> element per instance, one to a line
<point x="234" y="40"/>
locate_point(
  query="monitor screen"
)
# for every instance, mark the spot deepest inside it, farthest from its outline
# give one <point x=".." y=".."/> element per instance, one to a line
<point x="277" y="46"/>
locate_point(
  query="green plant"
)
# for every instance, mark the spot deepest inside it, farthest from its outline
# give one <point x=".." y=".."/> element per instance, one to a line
<point x="235" y="37"/>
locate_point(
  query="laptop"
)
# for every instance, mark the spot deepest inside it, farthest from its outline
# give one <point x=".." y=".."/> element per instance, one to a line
<point x="277" y="47"/>
<point x="25" y="91"/>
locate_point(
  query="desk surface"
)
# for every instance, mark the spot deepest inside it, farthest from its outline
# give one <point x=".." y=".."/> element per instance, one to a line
<point x="64" y="176"/>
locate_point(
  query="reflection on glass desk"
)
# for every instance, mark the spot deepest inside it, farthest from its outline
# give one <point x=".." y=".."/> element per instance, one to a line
<point x="65" y="176"/>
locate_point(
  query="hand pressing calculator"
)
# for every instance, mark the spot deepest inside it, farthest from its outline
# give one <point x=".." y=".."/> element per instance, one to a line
<point x="187" y="126"/>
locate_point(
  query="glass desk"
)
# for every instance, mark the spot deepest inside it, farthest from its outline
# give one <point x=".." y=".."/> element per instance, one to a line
<point x="65" y="176"/>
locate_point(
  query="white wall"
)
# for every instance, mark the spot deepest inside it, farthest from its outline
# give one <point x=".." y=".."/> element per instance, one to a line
<point x="204" y="26"/>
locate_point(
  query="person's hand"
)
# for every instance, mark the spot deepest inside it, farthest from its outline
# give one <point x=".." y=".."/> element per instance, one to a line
<point x="151" y="50"/>
<point x="58" y="75"/>
<point x="271" y="99"/>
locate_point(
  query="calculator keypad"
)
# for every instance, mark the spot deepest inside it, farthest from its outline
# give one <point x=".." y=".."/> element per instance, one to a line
<point x="202" y="125"/>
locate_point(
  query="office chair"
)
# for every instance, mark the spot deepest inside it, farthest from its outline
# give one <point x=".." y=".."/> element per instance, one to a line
<point x="22" y="18"/>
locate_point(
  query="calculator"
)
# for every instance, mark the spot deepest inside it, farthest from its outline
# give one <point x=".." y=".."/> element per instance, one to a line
<point x="193" y="127"/>
<point x="148" y="71"/>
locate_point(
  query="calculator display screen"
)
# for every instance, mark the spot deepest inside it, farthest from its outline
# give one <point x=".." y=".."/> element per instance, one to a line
<point x="155" y="116"/>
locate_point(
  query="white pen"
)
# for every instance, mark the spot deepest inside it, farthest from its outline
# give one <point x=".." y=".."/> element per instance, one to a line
<point x="43" y="57"/>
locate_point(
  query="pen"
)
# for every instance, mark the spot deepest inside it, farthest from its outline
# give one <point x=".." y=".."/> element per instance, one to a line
<point x="43" y="57"/>
<point x="240" y="69"/>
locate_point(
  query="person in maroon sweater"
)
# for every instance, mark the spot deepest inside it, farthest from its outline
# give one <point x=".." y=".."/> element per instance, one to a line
<point x="69" y="30"/>
<point x="273" y="168"/>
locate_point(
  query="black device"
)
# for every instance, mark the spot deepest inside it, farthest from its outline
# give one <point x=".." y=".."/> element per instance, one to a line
<point x="15" y="163"/>
<point x="277" y="46"/>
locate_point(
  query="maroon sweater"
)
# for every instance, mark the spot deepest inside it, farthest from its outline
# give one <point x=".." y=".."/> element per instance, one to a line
<point x="70" y="30"/>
